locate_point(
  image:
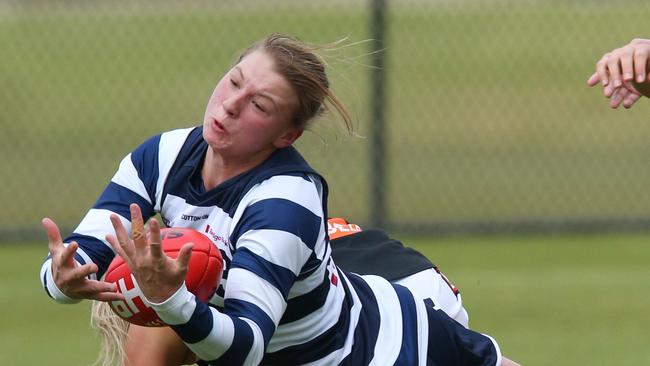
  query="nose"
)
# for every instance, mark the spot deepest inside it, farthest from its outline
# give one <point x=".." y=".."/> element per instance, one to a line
<point x="232" y="104"/>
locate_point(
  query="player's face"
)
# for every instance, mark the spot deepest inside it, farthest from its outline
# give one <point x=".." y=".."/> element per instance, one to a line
<point x="250" y="110"/>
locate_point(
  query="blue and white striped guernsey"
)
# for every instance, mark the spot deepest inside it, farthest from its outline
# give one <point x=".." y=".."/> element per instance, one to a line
<point x="282" y="300"/>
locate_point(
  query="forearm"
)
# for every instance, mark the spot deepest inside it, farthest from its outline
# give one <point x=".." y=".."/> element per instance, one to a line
<point x="210" y="334"/>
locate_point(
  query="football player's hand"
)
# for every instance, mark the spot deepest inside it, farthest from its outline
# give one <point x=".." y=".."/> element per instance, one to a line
<point x="72" y="278"/>
<point x="618" y="69"/>
<point x="158" y="276"/>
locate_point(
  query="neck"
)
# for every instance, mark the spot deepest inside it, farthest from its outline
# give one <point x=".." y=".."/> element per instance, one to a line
<point x="218" y="168"/>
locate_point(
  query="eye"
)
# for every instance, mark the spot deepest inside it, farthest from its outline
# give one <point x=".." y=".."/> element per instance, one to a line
<point x="234" y="83"/>
<point x="258" y="106"/>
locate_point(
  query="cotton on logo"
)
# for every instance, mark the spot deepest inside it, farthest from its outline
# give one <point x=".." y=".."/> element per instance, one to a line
<point x="134" y="300"/>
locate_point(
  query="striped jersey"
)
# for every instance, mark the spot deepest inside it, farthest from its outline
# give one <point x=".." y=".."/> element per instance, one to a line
<point x="282" y="300"/>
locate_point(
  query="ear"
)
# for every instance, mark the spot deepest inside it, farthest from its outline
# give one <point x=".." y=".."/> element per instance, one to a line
<point x="288" y="138"/>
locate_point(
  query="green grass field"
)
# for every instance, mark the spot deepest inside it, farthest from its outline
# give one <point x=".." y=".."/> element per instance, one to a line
<point x="548" y="300"/>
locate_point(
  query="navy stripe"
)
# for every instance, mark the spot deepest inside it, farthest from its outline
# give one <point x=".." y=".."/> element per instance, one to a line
<point x="77" y="257"/>
<point x="199" y="325"/>
<point x="98" y="252"/>
<point x="450" y="343"/>
<point x="244" y="309"/>
<point x="278" y="276"/>
<point x="145" y="160"/>
<point x="117" y="199"/>
<point x="303" y="305"/>
<point x="280" y="214"/>
<point x="327" y="342"/>
<point x="311" y="266"/>
<point x="365" y="334"/>
<point x="240" y="347"/>
<point x="408" y="354"/>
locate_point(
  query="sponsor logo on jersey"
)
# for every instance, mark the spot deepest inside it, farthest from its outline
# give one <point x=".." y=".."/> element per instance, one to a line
<point x="193" y="217"/>
<point x="218" y="238"/>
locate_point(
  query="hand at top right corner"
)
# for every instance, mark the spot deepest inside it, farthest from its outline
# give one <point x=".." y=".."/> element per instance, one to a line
<point x="618" y="70"/>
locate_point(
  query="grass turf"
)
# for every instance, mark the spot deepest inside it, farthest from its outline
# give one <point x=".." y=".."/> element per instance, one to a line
<point x="562" y="300"/>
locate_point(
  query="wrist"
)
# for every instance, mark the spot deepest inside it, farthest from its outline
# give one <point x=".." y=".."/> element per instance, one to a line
<point x="47" y="279"/>
<point x="178" y="308"/>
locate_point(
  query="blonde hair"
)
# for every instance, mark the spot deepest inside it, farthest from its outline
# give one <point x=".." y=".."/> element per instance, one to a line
<point x="113" y="333"/>
<point x="299" y="63"/>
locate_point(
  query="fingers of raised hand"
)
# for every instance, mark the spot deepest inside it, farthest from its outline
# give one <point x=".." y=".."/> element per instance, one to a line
<point x="184" y="255"/>
<point x="120" y="241"/>
<point x="155" y="241"/>
<point x="67" y="254"/>
<point x="83" y="271"/>
<point x="55" y="243"/>
<point x="100" y="290"/>
<point x="137" y="227"/>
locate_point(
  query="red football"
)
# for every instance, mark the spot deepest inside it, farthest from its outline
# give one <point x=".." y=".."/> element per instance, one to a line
<point x="203" y="275"/>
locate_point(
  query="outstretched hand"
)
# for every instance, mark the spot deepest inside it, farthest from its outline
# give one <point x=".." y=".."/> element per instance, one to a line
<point x="619" y="69"/>
<point x="71" y="278"/>
<point x="158" y="276"/>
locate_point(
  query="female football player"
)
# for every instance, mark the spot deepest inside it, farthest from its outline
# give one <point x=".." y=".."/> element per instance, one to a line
<point x="282" y="300"/>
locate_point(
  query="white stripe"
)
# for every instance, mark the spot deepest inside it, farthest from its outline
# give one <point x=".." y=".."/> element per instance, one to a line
<point x="175" y="207"/>
<point x="389" y="337"/>
<point x="247" y="286"/>
<point x="257" y="350"/>
<point x="218" y="340"/>
<point x="423" y="332"/>
<point x="311" y="326"/>
<point x="127" y="176"/>
<point x="294" y="189"/>
<point x="97" y="224"/>
<point x="309" y="283"/>
<point x="170" y="145"/>
<point x="336" y="356"/>
<point x="274" y="246"/>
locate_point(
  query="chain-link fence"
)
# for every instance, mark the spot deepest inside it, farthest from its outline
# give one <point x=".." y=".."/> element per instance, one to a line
<point x="488" y="120"/>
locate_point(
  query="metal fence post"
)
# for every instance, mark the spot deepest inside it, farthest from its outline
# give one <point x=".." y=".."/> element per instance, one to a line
<point x="377" y="197"/>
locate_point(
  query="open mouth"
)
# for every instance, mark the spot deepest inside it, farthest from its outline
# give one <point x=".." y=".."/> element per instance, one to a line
<point x="218" y="126"/>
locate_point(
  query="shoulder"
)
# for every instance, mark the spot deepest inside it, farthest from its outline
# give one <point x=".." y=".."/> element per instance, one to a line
<point x="299" y="188"/>
<point x="164" y="143"/>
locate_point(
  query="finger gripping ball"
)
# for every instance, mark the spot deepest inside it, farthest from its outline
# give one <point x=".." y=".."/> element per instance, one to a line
<point x="202" y="278"/>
